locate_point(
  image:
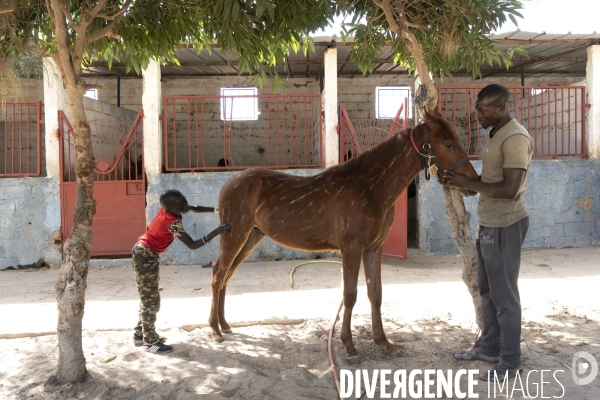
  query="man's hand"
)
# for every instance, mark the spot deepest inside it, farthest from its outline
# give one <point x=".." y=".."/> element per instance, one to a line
<point x="454" y="179"/>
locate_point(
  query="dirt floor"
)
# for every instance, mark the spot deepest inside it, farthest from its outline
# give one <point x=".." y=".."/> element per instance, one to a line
<point x="278" y="350"/>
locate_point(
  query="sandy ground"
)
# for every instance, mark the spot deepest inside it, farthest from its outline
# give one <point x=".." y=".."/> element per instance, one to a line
<point x="279" y="349"/>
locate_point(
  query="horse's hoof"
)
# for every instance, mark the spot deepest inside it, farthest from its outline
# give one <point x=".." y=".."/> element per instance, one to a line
<point x="226" y="330"/>
<point x="355" y="360"/>
<point x="218" y="339"/>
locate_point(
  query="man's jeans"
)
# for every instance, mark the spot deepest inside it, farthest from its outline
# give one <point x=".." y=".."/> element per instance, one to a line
<point x="499" y="260"/>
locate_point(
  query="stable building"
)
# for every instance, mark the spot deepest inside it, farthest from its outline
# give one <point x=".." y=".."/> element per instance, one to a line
<point x="194" y="125"/>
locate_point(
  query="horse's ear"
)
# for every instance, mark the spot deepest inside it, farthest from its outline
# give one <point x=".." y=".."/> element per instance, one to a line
<point x="432" y="119"/>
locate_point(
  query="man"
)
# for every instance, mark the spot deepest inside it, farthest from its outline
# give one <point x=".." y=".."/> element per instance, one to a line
<point x="503" y="223"/>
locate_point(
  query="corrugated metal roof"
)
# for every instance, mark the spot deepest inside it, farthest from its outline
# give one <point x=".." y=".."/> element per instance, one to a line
<point x="548" y="54"/>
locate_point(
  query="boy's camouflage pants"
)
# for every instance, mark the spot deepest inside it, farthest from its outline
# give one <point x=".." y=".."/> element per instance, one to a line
<point x="147" y="278"/>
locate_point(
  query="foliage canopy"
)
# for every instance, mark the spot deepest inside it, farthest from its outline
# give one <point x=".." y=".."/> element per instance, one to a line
<point x="451" y="33"/>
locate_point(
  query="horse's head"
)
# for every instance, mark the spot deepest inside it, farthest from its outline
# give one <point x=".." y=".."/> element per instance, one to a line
<point x="443" y="147"/>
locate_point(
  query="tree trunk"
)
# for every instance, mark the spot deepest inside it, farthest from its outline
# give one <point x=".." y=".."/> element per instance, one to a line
<point x="458" y="216"/>
<point x="459" y="219"/>
<point x="72" y="280"/>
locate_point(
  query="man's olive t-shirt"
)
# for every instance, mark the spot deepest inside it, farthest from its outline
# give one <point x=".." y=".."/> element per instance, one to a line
<point x="510" y="147"/>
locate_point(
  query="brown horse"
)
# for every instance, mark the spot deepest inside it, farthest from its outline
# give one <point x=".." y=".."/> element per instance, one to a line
<point x="347" y="207"/>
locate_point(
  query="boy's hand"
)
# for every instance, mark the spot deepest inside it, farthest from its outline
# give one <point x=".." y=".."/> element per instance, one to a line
<point x="223" y="229"/>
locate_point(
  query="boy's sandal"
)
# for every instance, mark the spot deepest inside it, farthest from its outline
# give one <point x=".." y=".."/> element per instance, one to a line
<point x="499" y="372"/>
<point x="474" y="355"/>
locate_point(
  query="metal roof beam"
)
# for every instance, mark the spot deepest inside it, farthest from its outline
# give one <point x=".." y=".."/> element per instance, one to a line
<point x="536" y="61"/>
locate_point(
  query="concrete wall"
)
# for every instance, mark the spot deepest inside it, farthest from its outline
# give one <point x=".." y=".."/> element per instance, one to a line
<point x="203" y="189"/>
<point x="563" y="199"/>
<point x="29" y="221"/>
<point x="30" y="89"/>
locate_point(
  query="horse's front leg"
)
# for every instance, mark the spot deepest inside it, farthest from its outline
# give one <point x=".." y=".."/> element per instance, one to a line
<point x="372" y="264"/>
<point x="351" y="265"/>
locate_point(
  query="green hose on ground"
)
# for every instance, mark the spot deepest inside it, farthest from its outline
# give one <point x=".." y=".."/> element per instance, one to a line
<point x="305" y="263"/>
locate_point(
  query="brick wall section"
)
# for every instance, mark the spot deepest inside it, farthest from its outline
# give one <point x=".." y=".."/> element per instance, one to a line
<point x="29" y="221"/>
<point x="562" y="214"/>
<point x="203" y="189"/>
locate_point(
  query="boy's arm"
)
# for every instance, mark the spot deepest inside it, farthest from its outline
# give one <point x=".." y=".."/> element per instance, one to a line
<point x="196" y="244"/>
<point x="201" y="209"/>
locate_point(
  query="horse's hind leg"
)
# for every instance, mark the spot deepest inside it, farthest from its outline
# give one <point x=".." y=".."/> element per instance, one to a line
<point x="372" y="264"/>
<point x="232" y="248"/>
<point x="254" y="239"/>
<point x="351" y="266"/>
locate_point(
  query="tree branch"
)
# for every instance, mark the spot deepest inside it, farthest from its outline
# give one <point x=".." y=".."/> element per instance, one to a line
<point x="398" y="26"/>
<point x="413" y="25"/>
<point x="69" y="18"/>
<point x="62" y="41"/>
<point x="96" y="10"/>
<point x="109" y="30"/>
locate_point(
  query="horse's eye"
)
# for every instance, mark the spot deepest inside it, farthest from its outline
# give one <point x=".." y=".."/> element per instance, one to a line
<point x="449" y="146"/>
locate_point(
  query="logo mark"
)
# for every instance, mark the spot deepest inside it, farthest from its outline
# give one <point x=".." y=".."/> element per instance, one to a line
<point x="584" y="363"/>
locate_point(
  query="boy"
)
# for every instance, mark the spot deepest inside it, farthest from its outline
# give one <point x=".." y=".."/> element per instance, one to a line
<point x="164" y="228"/>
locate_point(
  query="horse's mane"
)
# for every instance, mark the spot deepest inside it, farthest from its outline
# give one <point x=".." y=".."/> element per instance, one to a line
<point x="383" y="151"/>
<point x="388" y="148"/>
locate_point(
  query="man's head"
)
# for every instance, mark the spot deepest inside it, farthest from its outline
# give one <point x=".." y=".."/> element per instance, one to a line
<point x="492" y="105"/>
<point x="174" y="202"/>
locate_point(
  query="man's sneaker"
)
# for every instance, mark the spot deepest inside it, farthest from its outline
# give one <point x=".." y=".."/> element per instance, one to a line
<point x="158" y="348"/>
<point x="138" y="340"/>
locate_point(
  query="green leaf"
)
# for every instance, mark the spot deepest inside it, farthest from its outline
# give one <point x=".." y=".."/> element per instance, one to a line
<point x="236" y="10"/>
<point x="227" y="9"/>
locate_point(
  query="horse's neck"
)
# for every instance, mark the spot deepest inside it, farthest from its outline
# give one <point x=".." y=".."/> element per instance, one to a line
<point x="392" y="174"/>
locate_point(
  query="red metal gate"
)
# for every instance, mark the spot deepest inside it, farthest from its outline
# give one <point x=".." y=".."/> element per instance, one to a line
<point x="359" y="135"/>
<point x="554" y="116"/>
<point x="119" y="184"/>
<point x="203" y="133"/>
<point x="21" y="138"/>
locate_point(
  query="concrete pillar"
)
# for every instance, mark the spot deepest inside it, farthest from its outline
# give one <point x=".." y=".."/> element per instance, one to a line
<point x="152" y="104"/>
<point x="593" y="97"/>
<point x="331" y="139"/>
<point x="55" y="99"/>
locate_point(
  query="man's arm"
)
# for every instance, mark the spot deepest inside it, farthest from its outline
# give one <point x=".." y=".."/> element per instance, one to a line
<point x="196" y="244"/>
<point x="507" y="189"/>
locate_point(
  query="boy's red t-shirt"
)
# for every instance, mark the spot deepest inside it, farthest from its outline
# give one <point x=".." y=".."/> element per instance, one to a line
<point x="158" y="237"/>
